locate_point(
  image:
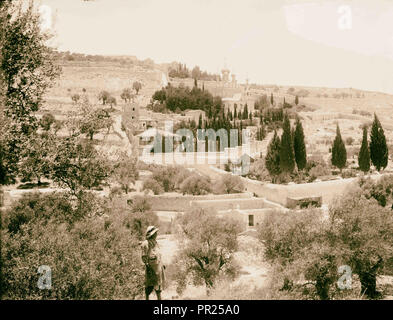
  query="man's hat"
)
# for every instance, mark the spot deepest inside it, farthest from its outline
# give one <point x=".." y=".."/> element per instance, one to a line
<point x="150" y="231"/>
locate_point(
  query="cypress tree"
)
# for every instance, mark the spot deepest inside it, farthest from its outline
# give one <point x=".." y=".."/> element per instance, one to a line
<point x="272" y="160"/>
<point x="297" y="100"/>
<point x="378" y="147"/>
<point x="299" y="146"/>
<point x="245" y="112"/>
<point x="271" y="98"/>
<point x="364" y="153"/>
<point x="200" y="122"/>
<point x="339" y="153"/>
<point x="287" y="156"/>
<point x="263" y="132"/>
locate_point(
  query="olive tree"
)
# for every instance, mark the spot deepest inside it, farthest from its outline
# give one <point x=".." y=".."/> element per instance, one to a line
<point x="207" y="247"/>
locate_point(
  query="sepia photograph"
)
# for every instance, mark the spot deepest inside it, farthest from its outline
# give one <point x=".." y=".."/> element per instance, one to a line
<point x="207" y="150"/>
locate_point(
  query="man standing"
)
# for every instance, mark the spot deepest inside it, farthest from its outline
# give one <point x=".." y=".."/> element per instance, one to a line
<point x="151" y="257"/>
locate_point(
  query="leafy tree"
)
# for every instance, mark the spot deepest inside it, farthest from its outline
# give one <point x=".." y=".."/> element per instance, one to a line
<point x="104" y="96"/>
<point x="272" y="160"/>
<point x="140" y="216"/>
<point x="296" y="244"/>
<point x="382" y="191"/>
<point x="27" y="64"/>
<point x="364" y="153"/>
<point x="125" y="171"/>
<point x="27" y="70"/>
<point x="100" y="256"/>
<point x="112" y="101"/>
<point x="299" y="145"/>
<point x="75" y="97"/>
<point x="363" y="231"/>
<point x="196" y="73"/>
<point x="127" y="95"/>
<point x="208" y="244"/>
<point x="196" y="185"/>
<point x="287" y="156"/>
<point x="93" y="121"/>
<point x="167" y="177"/>
<point x="36" y="157"/>
<point x="378" y="147"/>
<point x="160" y="96"/>
<point x="231" y="184"/>
<point x="153" y="185"/>
<point x="261" y="103"/>
<point x="78" y="167"/>
<point x="47" y="120"/>
<point x="137" y="86"/>
<point x="339" y="153"/>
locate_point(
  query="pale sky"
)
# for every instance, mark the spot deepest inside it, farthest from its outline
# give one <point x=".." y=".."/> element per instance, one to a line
<point x="284" y="42"/>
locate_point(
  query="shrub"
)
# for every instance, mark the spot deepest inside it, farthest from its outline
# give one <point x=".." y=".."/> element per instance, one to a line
<point x="153" y="185"/>
<point x="196" y="185"/>
<point x="318" y="171"/>
<point x="230" y="184"/>
<point x="349" y="141"/>
<point x="258" y="171"/>
<point x="349" y="174"/>
<point x="282" y="178"/>
<point x="39" y="207"/>
<point x="47" y="120"/>
<point x="166" y="177"/>
<point x="96" y="259"/>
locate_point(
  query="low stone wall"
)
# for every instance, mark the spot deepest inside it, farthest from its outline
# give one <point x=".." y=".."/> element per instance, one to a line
<point x="328" y="190"/>
<point x="277" y="193"/>
<point x="243" y="217"/>
<point x="242" y="204"/>
<point x="177" y="202"/>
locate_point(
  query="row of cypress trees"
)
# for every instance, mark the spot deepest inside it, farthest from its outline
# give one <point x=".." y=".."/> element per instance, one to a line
<point x="284" y="153"/>
<point x="375" y="153"/>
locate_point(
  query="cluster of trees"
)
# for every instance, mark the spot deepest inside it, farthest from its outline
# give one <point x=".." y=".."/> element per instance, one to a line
<point x="183" y="98"/>
<point x="46" y="229"/>
<point x="289" y="151"/>
<point x="310" y="253"/>
<point x="70" y="231"/>
<point x="181" y="71"/>
<point x="285" y="153"/>
<point x="62" y="56"/>
<point x="106" y="98"/>
<point x="127" y="95"/>
<point x="179" y="179"/>
<point x="26" y="71"/>
<point x="375" y="153"/>
<point x="197" y="74"/>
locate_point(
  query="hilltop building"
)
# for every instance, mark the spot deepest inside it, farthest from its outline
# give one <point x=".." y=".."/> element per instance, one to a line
<point x="225" y="75"/>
